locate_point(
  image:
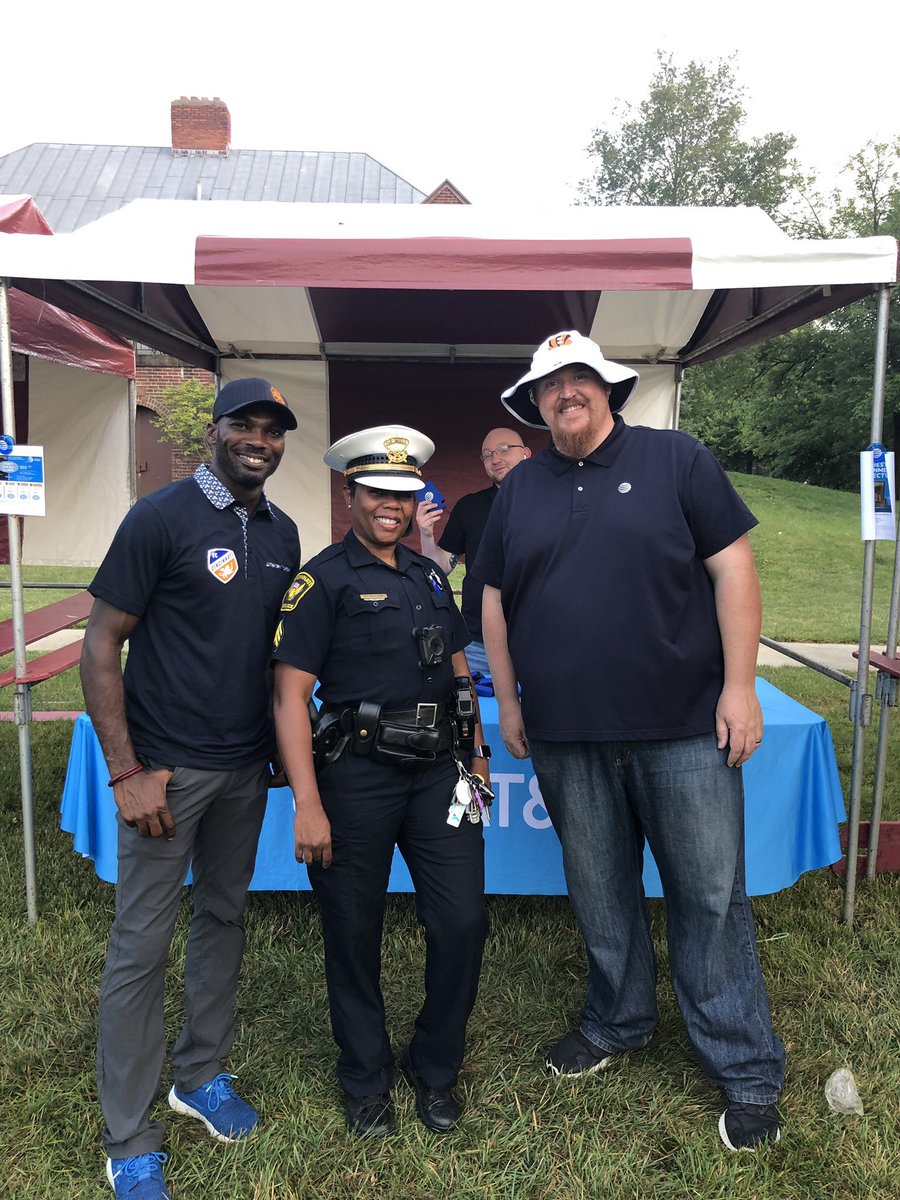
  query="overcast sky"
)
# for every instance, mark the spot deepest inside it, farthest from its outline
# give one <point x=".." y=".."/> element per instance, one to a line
<point x="501" y="98"/>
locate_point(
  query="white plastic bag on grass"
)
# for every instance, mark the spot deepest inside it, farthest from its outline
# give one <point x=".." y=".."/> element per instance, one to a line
<point x="842" y="1093"/>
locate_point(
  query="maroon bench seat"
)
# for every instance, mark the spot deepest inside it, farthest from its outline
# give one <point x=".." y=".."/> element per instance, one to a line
<point x="39" y="623"/>
<point x="883" y="662"/>
<point x="37" y="670"/>
<point x="50" y="619"/>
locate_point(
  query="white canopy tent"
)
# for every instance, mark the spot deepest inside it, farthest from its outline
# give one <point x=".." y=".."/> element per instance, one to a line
<point x="308" y="289"/>
<point x="229" y="285"/>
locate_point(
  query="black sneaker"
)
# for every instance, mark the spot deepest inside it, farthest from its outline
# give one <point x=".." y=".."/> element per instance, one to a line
<point x="747" y="1126"/>
<point x="575" y="1055"/>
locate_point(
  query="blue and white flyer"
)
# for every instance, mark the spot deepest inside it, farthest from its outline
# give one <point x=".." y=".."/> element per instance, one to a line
<point x="877" y="495"/>
<point x="22" y="481"/>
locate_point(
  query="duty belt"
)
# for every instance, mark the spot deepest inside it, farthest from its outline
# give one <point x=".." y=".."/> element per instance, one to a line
<point x="403" y="736"/>
<point x="427" y="715"/>
<point x="423" y="716"/>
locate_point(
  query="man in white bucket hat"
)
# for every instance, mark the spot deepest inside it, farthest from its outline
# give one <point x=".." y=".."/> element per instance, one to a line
<point x="559" y="352"/>
<point x="620" y="591"/>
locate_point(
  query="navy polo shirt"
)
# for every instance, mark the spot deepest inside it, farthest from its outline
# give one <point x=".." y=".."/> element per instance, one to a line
<point x="207" y="584"/>
<point x="610" y="612"/>
<point x="462" y="537"/>
<point x="348" y="619"/>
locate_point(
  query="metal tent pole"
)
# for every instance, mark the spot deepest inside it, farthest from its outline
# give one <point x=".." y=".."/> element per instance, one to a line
<point x="22" y="698"/>
<point x="679" y="376"/>
<point x="861" y="701"/>
<point x="886" y="693"/>
<point x="132" y="447"/>
<point x="886" y="688"/>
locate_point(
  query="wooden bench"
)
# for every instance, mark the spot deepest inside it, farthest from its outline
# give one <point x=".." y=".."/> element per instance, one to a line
<point x="883" y="662"/>
<point x="39" y="623"/>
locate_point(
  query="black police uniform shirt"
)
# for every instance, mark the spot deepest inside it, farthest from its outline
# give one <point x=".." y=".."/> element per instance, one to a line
<point x="610" y="612"/>
<point x="465" y="529"/>
<point x="207" y="586"/>
<point x="348" y="618"/>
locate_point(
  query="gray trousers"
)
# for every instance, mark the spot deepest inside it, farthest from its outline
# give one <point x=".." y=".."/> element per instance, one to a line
<point x="218" y="816"/>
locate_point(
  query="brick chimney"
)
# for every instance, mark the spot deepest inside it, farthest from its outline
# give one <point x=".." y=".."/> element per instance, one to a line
<point x="200" y="126"/>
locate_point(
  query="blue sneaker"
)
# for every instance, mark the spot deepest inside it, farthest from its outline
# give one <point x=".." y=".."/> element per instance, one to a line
<point x="138" y="1178"/>
<point x="226" y="1116"/>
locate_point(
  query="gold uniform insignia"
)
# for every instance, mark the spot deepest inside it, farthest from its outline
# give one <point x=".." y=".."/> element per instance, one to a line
<point x="279" y="633"/>
<point x="396" y="449"/>
<point x="373" y="595"/>
<point x="295" y="593"/>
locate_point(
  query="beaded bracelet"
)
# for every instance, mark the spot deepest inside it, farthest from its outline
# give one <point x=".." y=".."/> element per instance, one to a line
<point x="135" y="770"/>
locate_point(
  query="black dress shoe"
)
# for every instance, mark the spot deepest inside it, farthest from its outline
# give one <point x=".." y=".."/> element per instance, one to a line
<point x="369" y="1116"/>
<point x="437" y="1110"/>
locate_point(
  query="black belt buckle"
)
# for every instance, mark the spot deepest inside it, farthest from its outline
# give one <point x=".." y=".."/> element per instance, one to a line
<point x="426" y="715"/>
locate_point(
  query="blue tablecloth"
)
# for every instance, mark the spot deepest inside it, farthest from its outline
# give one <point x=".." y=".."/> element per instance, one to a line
<point x="793" y="806"/>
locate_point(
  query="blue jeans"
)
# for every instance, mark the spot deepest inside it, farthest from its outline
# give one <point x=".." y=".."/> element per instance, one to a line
<point x="603" y="799"/>
<point x="476" y="657"/>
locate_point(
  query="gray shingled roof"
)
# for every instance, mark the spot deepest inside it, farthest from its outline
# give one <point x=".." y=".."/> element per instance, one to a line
<point x="73" y="185"/>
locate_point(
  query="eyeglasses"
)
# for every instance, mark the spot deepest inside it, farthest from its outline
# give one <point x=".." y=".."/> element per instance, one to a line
<point x="487" y="455"/>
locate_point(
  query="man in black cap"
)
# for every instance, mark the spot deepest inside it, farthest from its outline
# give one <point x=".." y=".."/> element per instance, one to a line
<point x="193" y="581"/>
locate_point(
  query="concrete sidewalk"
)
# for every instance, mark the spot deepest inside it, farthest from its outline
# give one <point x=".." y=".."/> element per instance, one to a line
<point x="830" y="654"/>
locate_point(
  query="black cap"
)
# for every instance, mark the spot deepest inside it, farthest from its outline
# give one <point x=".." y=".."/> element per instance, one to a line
<point x="248" y="393"/>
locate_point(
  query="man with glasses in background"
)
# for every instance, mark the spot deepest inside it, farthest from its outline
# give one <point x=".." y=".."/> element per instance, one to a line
<point x="501" y="450"/>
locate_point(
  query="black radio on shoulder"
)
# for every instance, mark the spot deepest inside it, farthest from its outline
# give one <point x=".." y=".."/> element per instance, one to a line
<point x="430" y="640"/>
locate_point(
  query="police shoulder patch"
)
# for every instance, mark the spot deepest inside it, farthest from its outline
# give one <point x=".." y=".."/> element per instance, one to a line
<point x="295" y="593"/>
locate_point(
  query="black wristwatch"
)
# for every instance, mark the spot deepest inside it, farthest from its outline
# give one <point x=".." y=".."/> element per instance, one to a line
<point x="481" y="752"/>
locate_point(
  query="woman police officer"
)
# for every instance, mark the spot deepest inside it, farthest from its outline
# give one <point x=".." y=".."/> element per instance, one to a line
<point x="376" y="626"/>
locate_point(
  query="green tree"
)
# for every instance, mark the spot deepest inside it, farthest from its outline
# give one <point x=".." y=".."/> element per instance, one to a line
<point x="683" y="145"/>
<point x="818" y="380"/>
<point x="188" y="410"/>
<point x="799" y="406"/>
<point x="811" y="414"/>
<point x="871" y="208"/>
<point x="874" y="208"/>
<point x="717" y="408"/>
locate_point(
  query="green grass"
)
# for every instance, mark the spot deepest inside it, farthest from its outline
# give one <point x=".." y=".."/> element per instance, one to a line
<point x="810" y="559"/>
<point x="645" y="1128"/>
<point x="38" y="597"/>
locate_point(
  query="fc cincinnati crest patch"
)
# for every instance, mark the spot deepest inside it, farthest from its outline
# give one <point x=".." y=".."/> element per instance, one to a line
<point x="223" y="564"/>
<point x="295" y="593"/>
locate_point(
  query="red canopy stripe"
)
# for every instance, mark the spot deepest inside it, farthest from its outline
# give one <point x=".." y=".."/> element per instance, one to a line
<point x="645" y="264"/>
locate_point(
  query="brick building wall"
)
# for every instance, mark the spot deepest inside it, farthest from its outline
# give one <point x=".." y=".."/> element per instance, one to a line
<point x="155" y="374"/>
